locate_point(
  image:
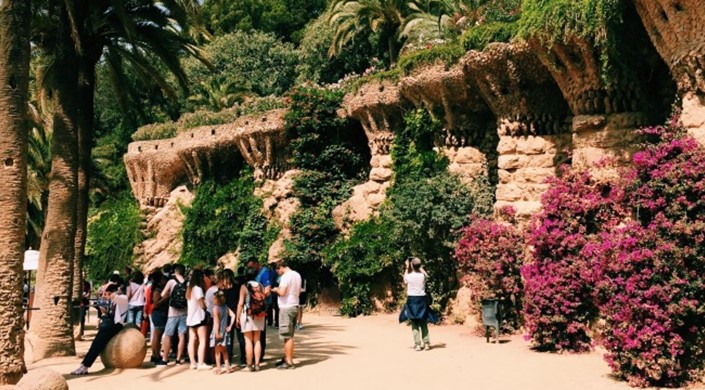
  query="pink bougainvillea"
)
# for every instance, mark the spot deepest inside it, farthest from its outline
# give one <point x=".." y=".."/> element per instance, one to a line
<point x="490" y="256"/>
<point x="558" y="303"/>
<point x="650" y="288"/>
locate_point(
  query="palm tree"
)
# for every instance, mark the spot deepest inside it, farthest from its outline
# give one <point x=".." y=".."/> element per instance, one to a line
<point x="351" y="18"/>
<point x="433" y="19"/>
<point x="218" y="95"/>
<point x="75" y="35"/>
<point x="14" y="84"/>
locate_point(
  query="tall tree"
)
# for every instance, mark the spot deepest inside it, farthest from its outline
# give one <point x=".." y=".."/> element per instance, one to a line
<point x="14" y="126"/>
<point x="350" y="18"/>
<point x="75" y="36"/>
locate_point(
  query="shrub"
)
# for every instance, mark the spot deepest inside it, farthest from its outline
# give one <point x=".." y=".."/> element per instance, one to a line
<point x="155" y="131"/>
<point x="558" y="303"/>
<point x="490" y="256"/>
<point x="652" y="305"/>
<point x="215" y="221"/>
<point x="477" y="38"/>
<point x="113" y="233"/>
<point x="254" y="61"/>
<point x="650" y="287"/>
<point x="324" y="147"/>
<point x="358" y="260"/>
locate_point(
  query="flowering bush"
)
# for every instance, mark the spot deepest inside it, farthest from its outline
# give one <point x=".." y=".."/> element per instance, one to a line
<point x="646" y="294"/>
<point x="558" y="303"/>
<point x="489" y="257"/>
<point x="650" y="288"/>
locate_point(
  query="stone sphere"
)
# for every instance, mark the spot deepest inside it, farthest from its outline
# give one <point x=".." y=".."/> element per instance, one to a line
<point x="42" y="379"/>
<point x="126" y="349"/>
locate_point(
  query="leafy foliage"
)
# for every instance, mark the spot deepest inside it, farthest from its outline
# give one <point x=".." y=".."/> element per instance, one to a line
<point x="425" y="209"/>
<point x="490" y="256"/>
<point x="284" y="18"/>
<point x="332" y="159"/>
<point x="113" y="232"/>
<point x="215" y="221"/>
<point x="252" y="61"/>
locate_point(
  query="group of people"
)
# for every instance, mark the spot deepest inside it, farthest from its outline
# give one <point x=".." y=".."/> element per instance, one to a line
<point x="206" y="310"/>
<point x="211" y="310"/>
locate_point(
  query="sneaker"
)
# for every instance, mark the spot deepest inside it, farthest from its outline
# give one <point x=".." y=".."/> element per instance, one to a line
<point x="286" y="366"/>
<point x="257" y="368"/>
<point x="193" y="367"/>
<point x="299" y="327"/>
<point x="280" y="362"/>
<point x="160" y="363"/>
<point x="427" y="347"/>
<point x="248" y="369"/>
<point x="243" y="365"/>
<point x="417" y="347"/>
<point x="81" y="370"/>
<point x="204" y="367"/>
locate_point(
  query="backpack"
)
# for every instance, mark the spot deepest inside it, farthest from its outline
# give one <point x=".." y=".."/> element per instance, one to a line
<point x="256" y="300"/>
<point x="177" y="298"/>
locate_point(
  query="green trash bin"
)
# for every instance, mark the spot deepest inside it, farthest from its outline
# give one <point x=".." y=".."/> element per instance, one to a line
<point x="491" y="317"/>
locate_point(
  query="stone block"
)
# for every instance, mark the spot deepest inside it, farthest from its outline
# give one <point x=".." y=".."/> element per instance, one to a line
<point x="507" y="145"/>
<point x="42" y="379"/>
<point x="381" y="174"/>
<point x="511" y="161"/>
<point x="126" y="349"/>
<point x="385" y="160"/>
<point x="375" y="200"/>
<point x="541" y="161"/>
<point x="530" y="145"/>
<point x="533" y="175"/>
<point x="468" y="155"/>
<point x="509" y="192"/>
<point x="504" y="176"/>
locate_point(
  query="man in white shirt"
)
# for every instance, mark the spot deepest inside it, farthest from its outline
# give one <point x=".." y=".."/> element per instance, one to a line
<point x="113" y="316"/>
<point x="288" y="300"/>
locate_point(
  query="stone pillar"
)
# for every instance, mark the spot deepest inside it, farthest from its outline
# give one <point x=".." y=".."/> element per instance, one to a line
<point x="379" y="109"/>
<point x="467" y="140"/>
<point x="676" y="30"/>
<point x="531" y="121"/>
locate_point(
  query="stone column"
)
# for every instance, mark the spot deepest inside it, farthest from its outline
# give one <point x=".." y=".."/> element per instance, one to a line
<point x="444" y="92"/>
<point x="379" y="109"/>
<point x="605" y="116"/>
<point x="676" y="30"/>
<point x="531" y="121"/>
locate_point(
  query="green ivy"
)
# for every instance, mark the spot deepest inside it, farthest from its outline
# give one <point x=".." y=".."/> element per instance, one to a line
<point x="221" y="219"/>
<point x="113" y="233"/>
<point x="425" y="208"/>
<point x="477" y="38"/>
<point x="447" y="53"/>
<point x="331" y="162"/>
<point x="599" y="21"/>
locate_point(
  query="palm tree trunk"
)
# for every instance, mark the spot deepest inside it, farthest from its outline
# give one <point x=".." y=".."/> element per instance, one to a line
<point x="52" y="323"/>
<point x="86" y="87"/>
<point x="14" y="128"/>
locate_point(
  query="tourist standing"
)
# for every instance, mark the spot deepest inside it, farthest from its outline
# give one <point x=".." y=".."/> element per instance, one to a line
<point x="113" y="311"/>
<point x="251" y="313"/>
<point x="288" y="293"/>
<point x="196" y="320"/>
<point x="223" y="321"/>
<point x="303" y="301"/>
<point x="158" y="312"/>
<point x="175" y="292"/>
<point x="417" y="310"/>
<point x="136" y="299"/>
<point x="265" y="277"/>
<point x="230" y="288"/>
<point x="84" y="305"/>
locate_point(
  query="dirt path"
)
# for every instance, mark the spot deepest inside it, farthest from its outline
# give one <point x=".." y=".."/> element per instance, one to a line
<point x="372" y="353"/>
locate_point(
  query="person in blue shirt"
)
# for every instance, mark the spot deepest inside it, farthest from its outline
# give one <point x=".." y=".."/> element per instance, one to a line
<point x="264" y="276"/>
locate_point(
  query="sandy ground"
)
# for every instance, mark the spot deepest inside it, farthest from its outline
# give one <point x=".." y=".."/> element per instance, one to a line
<point x="371" y="353"/>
